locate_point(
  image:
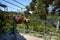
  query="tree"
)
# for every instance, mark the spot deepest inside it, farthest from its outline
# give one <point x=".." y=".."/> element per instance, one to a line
<point x="56" y="11"/>
<point x="56" y="3"/>
<point x="39" y="7"/>
<point x="2" y="29"/>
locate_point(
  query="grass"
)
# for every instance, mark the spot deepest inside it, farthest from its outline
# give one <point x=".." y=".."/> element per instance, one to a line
<point x="40" y="35"/>
<point x="20" y="28"/>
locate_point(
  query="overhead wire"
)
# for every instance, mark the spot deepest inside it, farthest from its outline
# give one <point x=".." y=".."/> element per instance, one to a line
<point x="13" y="4"/>
<point x="19" y="3"/>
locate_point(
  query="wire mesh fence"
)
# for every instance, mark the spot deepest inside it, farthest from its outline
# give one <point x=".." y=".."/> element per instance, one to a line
<point x="49" y="36"/>
<point x="51" y="33"/>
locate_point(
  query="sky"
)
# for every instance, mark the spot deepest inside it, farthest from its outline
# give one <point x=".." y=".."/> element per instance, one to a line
<point x="14" y="8"/>
<point x="50" y="8"/>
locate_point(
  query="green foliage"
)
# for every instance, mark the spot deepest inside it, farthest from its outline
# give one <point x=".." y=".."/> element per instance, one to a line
<point x="2" y="29"/>
<point x="6" y="21"/>
<point x="8" y="27"/>
<point x="59" y="30"/>
<point x="56" y="3"/>
<point x="32" y="6"/>
<point x="47" y="1"/>
<point x="39" y="11"/>
<point x="55" y="18"/>
<point x="26" y="13"/>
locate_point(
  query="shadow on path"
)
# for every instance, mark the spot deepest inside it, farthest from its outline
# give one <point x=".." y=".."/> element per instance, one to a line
<point x="10" y="36"/>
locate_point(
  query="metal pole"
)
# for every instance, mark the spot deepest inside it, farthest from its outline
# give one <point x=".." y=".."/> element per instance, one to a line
<point x="24" y="23"/>
<point x="57" y="26"/>
<point x="50" y="35"/>
<point x="24" y="28"/>
<point x="44" y="36"/>
<point x="14" y="28"/>
<point x="45" y="29"/>
<point x="59" y="36"/>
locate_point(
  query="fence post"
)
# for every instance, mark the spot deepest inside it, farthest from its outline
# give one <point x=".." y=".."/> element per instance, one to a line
<point x="59" y="36"/>
<point x="50" y="35"/>
<point x="14" y="28"/>
<point x="24" y="28"/>
<point x="57" y="26"/>
<point x="44" y="36"/>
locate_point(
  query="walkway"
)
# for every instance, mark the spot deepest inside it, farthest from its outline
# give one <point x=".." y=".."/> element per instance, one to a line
<point x="30" y="37"/>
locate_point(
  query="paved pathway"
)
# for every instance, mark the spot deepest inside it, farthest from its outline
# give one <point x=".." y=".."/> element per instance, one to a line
<point x="10" y="36"/>
<point x="31" y="38"/>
